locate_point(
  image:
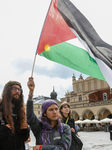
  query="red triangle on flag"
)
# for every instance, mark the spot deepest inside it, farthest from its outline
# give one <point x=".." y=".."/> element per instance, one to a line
<point x="55" y="29"/>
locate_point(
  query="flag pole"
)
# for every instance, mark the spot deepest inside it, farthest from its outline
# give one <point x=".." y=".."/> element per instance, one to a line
<point x="38" y="43"/>
<point x="33" y="65"/>
<point x="43" y="26"/>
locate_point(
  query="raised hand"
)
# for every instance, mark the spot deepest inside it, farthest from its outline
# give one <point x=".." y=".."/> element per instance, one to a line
<point x="31" y="85"/>
<point x="8" y="125"/>
<point x="24" y="125"/>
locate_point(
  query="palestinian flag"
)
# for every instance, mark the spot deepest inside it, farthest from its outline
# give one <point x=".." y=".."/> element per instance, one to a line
<point x="68" y="38"/>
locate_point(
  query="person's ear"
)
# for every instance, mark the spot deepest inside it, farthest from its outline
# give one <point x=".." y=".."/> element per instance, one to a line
<point x="61" y="110"/>
<point x="44" y="114"/>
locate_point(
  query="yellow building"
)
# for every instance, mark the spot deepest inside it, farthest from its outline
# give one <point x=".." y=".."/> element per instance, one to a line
<point x="80" y="102"/>
<point x="89" y="99"/>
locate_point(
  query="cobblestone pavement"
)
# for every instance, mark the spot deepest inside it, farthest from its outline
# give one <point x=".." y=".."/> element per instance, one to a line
<point x="96" y="140"/>
<point x="91" y="140"/>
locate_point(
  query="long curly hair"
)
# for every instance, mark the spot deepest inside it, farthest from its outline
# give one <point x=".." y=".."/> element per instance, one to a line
<point x="7" y="108"/>
<point x="62" y="117"/>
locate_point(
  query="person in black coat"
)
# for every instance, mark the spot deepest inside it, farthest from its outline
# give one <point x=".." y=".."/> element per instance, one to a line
<point x="110" y="130"/>
<point x="66" y="117"/>
<point x="13" y="127"/>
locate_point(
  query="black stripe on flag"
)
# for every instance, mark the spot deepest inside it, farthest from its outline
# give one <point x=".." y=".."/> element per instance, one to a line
<point x="76" y="20"/>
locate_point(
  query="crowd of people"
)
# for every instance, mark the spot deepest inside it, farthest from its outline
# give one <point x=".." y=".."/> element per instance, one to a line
<point x="54" y="130"/>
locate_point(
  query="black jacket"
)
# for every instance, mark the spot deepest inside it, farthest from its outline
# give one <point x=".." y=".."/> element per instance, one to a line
<point x="58" y="141"/>
<point x="76" y="142"/>
<point x="72" y="125"/>
<point x="110" y="128"/>
<point x="9" y="141"/>
<point x="70" y="122"/>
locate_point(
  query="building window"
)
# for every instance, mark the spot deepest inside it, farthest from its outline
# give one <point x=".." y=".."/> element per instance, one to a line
<point x="80" y="97"/>
<point x="38" y="112"/>
<point x="38" y="106"/>
<point x="104" y="96"/>
<point x="68" y="99"/>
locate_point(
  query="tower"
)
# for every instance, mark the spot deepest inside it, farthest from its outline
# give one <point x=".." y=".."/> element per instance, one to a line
<point x="53" y="94"/>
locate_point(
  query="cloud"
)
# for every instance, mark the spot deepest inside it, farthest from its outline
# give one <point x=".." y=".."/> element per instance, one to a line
<point x="1" y="86"/>
<point x="61" y="91"/>
<point x="54" y="71"/>
<point x="22" y="65"/>
<point x="44" y="86"/>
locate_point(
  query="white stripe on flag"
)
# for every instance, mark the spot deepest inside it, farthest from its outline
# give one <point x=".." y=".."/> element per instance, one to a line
<point x="82" y="42"/>
<point x="106" y="71"/>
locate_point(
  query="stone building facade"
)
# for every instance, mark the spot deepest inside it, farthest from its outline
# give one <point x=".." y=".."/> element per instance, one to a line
<point x="91" y="98"/>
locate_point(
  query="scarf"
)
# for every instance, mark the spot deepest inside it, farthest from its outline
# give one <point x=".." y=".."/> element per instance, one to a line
<point x="46" y="128"/>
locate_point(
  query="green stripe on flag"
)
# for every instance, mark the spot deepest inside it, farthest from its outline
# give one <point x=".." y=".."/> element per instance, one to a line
<point x="73" y="57"/>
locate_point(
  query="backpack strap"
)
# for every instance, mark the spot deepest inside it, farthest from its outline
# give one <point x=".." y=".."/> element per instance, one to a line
<point x="67" y="120"/>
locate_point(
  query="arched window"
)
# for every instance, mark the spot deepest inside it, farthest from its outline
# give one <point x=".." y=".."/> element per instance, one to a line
<point x="104" y="96"/>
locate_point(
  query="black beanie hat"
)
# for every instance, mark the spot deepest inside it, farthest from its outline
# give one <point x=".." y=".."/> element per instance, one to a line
<point x="12" y="83"/>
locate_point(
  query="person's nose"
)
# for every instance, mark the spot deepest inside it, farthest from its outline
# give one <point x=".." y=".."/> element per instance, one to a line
<point x="17" y="90"/>
<point x="55" y="111"/>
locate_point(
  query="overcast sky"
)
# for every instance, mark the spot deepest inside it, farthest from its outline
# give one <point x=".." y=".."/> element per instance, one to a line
<point x="21" y="23"/>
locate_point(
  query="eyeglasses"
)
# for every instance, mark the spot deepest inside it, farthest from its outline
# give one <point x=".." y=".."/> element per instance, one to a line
<point x="15" y="89"/>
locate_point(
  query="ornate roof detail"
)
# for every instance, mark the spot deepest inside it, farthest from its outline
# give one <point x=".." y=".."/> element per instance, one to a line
<point x="74" y="77"/>
<point x="53" y="94"/>
<point x="80" y="77"/>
